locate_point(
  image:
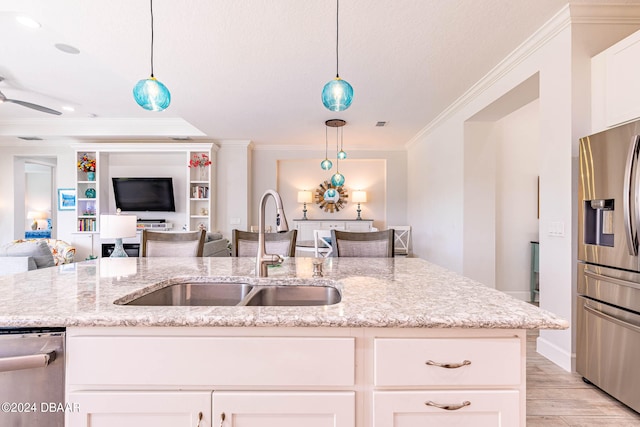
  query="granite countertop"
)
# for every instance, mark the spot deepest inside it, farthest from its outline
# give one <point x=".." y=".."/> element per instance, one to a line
<point x="376" y="292"/>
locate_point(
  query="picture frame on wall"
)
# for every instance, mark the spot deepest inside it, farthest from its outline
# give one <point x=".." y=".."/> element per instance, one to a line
<point x="66" y="199"/>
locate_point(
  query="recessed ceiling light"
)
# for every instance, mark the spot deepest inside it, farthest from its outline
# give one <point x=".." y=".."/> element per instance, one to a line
<point x="67" y="48"/>
<point x="68" y="108"/>
<point x="28" y="22"/>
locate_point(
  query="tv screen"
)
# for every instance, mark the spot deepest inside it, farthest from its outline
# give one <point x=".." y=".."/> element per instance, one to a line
<point x="144" y="194"/>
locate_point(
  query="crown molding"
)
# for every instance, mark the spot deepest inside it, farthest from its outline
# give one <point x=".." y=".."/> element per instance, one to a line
<point x="570" y="14"/>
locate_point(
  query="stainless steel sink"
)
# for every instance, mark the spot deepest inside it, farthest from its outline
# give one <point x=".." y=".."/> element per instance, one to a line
<point x="293" y="295"/>
<point x="240" y="294"/>
<point x="195" y="294"/>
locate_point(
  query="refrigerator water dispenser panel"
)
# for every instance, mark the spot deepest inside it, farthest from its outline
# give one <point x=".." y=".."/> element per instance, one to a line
<point x="598" y="222"/>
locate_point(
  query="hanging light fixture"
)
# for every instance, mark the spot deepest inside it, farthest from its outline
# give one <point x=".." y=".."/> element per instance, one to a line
<point x="341" y="154"/>
<point x="326" y="164"/>
<point x="150" y="93"/>
<point x="337" y="179"/>
<point x="337" y="95"/>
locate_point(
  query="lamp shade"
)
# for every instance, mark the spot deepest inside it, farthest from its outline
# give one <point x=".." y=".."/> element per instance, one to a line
<point x="118" y="226"/>
<point x="305" y="196"/>
<point x="359" y="196"/>
<point x="36" y="215"/>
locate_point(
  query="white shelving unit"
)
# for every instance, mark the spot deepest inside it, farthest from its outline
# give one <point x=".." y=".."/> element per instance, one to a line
<point x="193" y="190"/>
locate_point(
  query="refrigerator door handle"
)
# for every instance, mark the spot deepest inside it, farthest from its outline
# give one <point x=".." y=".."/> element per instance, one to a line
<point x="610" y="318"/>
<point x="631" y="218"/>
<point x="602" y="277"/>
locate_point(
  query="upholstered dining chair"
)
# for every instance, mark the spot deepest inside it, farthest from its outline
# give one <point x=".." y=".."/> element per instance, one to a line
<point x="372" y="244"/>
<point x="171" y="243"/>
<point x="245" y="243"/>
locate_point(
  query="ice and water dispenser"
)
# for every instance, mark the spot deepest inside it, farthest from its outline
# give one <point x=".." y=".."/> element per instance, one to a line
<point x="598" y="222"/>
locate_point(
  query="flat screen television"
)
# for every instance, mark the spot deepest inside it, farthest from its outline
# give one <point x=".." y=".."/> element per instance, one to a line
<point x="144" y="194"/>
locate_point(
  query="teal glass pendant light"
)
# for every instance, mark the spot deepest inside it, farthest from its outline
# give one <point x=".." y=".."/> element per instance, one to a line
<point x="341" y="154"/>
<point x="150" y="93"/>
<point x="326" y="164"/>
<point x="337" y="180"/>
<point x="337" y="95"/>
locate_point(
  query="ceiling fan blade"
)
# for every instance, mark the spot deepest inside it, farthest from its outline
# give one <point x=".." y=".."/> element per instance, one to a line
<point x="34" y="106"/>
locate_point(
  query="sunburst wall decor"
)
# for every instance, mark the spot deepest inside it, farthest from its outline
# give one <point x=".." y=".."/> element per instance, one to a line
<point x="330" y="198"/>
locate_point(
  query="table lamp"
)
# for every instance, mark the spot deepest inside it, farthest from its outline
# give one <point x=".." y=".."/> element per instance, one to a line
<point x="117" y="227"/>
<point x="304" y="197"/>
<point x="359" y="197"/>
<point x="35" y="216"/>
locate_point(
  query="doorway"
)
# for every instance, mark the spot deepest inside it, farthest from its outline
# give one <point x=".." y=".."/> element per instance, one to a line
<point x="34" y="195"/>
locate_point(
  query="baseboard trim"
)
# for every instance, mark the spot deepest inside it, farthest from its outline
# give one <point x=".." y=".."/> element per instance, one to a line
<point x="555" y="354"/>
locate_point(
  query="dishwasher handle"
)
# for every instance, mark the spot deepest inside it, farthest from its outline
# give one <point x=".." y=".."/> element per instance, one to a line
<point x="31" y="361"/>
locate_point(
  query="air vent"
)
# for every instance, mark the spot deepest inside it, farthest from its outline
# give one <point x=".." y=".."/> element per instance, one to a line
<point x="381" y="124"/>
<point x="181" y="138"/>
<point x="30" y="138"/>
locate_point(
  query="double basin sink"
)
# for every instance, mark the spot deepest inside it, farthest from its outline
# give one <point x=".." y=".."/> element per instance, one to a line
<point x="236" y="294"/>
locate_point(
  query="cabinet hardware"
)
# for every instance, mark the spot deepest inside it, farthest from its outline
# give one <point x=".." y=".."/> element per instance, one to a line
<point x="222" y="417"/>
<point x="448" y="407"/>
<point x="448" y="365"/>
<point x="199" y="419"/>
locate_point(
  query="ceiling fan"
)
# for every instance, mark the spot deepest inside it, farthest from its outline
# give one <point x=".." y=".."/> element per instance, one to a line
<point x="37" y="107"/>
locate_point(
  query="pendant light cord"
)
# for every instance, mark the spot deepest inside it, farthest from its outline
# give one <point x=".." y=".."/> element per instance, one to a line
<point x="341" y="139"/>
<point x="326" y="142"/>
<point x="151" y="4"/>
<point x="337" y="157"/>
<point x="337" y="15"/>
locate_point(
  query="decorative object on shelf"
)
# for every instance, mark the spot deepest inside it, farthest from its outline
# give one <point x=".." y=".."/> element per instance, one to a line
<point x="66" y="199"/>
<point x="330" y="198"/>
<point x="118" y="227"/>
<point x="88" y="165"/>
<point x="35" y="216"/>
<point x="337" y="179"/>
<point x="200" y="161"/>
<point x="90" y="193"/>
<point x="359" y="197"/>
<point x="150" y="93"/>
<point x="326" y="164"/>
<point x="305" y="197"/>
<point x="337" y="95"/>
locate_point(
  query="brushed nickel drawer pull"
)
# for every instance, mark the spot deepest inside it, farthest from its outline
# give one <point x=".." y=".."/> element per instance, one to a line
<point x="448" y="407"/>
<point x="449" y="365"/>
<point x="199" y="419"/>
<point x="222" y="417"/>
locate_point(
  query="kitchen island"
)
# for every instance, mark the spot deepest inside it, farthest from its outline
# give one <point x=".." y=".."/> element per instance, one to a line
<point x="409" y="343"/>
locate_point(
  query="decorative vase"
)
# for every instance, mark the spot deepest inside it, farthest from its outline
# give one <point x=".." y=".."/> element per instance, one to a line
<point x="90" y="193"/>
<point x="203" y="175"/>
<point x="91" y="176"/>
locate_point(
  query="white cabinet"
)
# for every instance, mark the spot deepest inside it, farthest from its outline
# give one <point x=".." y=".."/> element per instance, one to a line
<point x="136" y="409"/>
<point x="284" y="409"/>
<point x="199" y="192"/>
<point x="448" y="382"/>
<point x="615" y="84"/>
<point x="292" y="377"/>
<point x="305" y="227"/>
<point x="490" y="408"/>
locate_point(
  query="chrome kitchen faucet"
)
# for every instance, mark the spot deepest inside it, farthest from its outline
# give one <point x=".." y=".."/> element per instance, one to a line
<point x="262" y="258"/>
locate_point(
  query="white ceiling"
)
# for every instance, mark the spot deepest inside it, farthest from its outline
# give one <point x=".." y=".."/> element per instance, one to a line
<point x="252" y="69"/>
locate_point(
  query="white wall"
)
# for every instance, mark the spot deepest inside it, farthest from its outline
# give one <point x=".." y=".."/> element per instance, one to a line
<point x="436" y="205"/>
<point x="266" y="170"/>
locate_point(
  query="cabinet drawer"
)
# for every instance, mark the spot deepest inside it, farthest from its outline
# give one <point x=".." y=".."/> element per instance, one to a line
<point x="414" y="362"/>
<point x="333" y="226"/>
<point x="210" y="361"/>
<point x="477" y="408"/>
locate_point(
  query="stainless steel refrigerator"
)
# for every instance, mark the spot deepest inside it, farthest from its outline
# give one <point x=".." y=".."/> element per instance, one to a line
<point x="608" y="306"/>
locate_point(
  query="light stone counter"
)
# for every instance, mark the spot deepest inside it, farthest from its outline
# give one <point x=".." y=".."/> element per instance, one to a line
<point x="385" y="293"/>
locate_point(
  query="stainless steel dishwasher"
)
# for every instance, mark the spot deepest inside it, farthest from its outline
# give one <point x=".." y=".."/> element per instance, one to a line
<point x="32" y="377"/>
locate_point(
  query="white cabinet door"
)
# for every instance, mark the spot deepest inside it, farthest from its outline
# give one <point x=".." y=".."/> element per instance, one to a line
<point x="494" y="408"/>
<point x="136" y="409"/>
<point x="284" y="409"/>
<point x="622" y="87"/>
<point x="305" y="229"/>
<point x="358" y="226"/>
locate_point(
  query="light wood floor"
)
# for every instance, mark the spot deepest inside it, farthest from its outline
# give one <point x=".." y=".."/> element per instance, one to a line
<point x="559" y="398"/>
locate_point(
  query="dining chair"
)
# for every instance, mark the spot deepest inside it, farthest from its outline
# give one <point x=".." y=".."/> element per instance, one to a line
<point x="245" y="243"/>
<point x="402" y="239"/>
<point x="172" y="243"/>
<point x="372" y="244"/>
<point x="322" y="243"/>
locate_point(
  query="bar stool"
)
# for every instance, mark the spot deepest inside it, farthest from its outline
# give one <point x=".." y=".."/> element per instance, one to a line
<point x="535" y="270"/>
